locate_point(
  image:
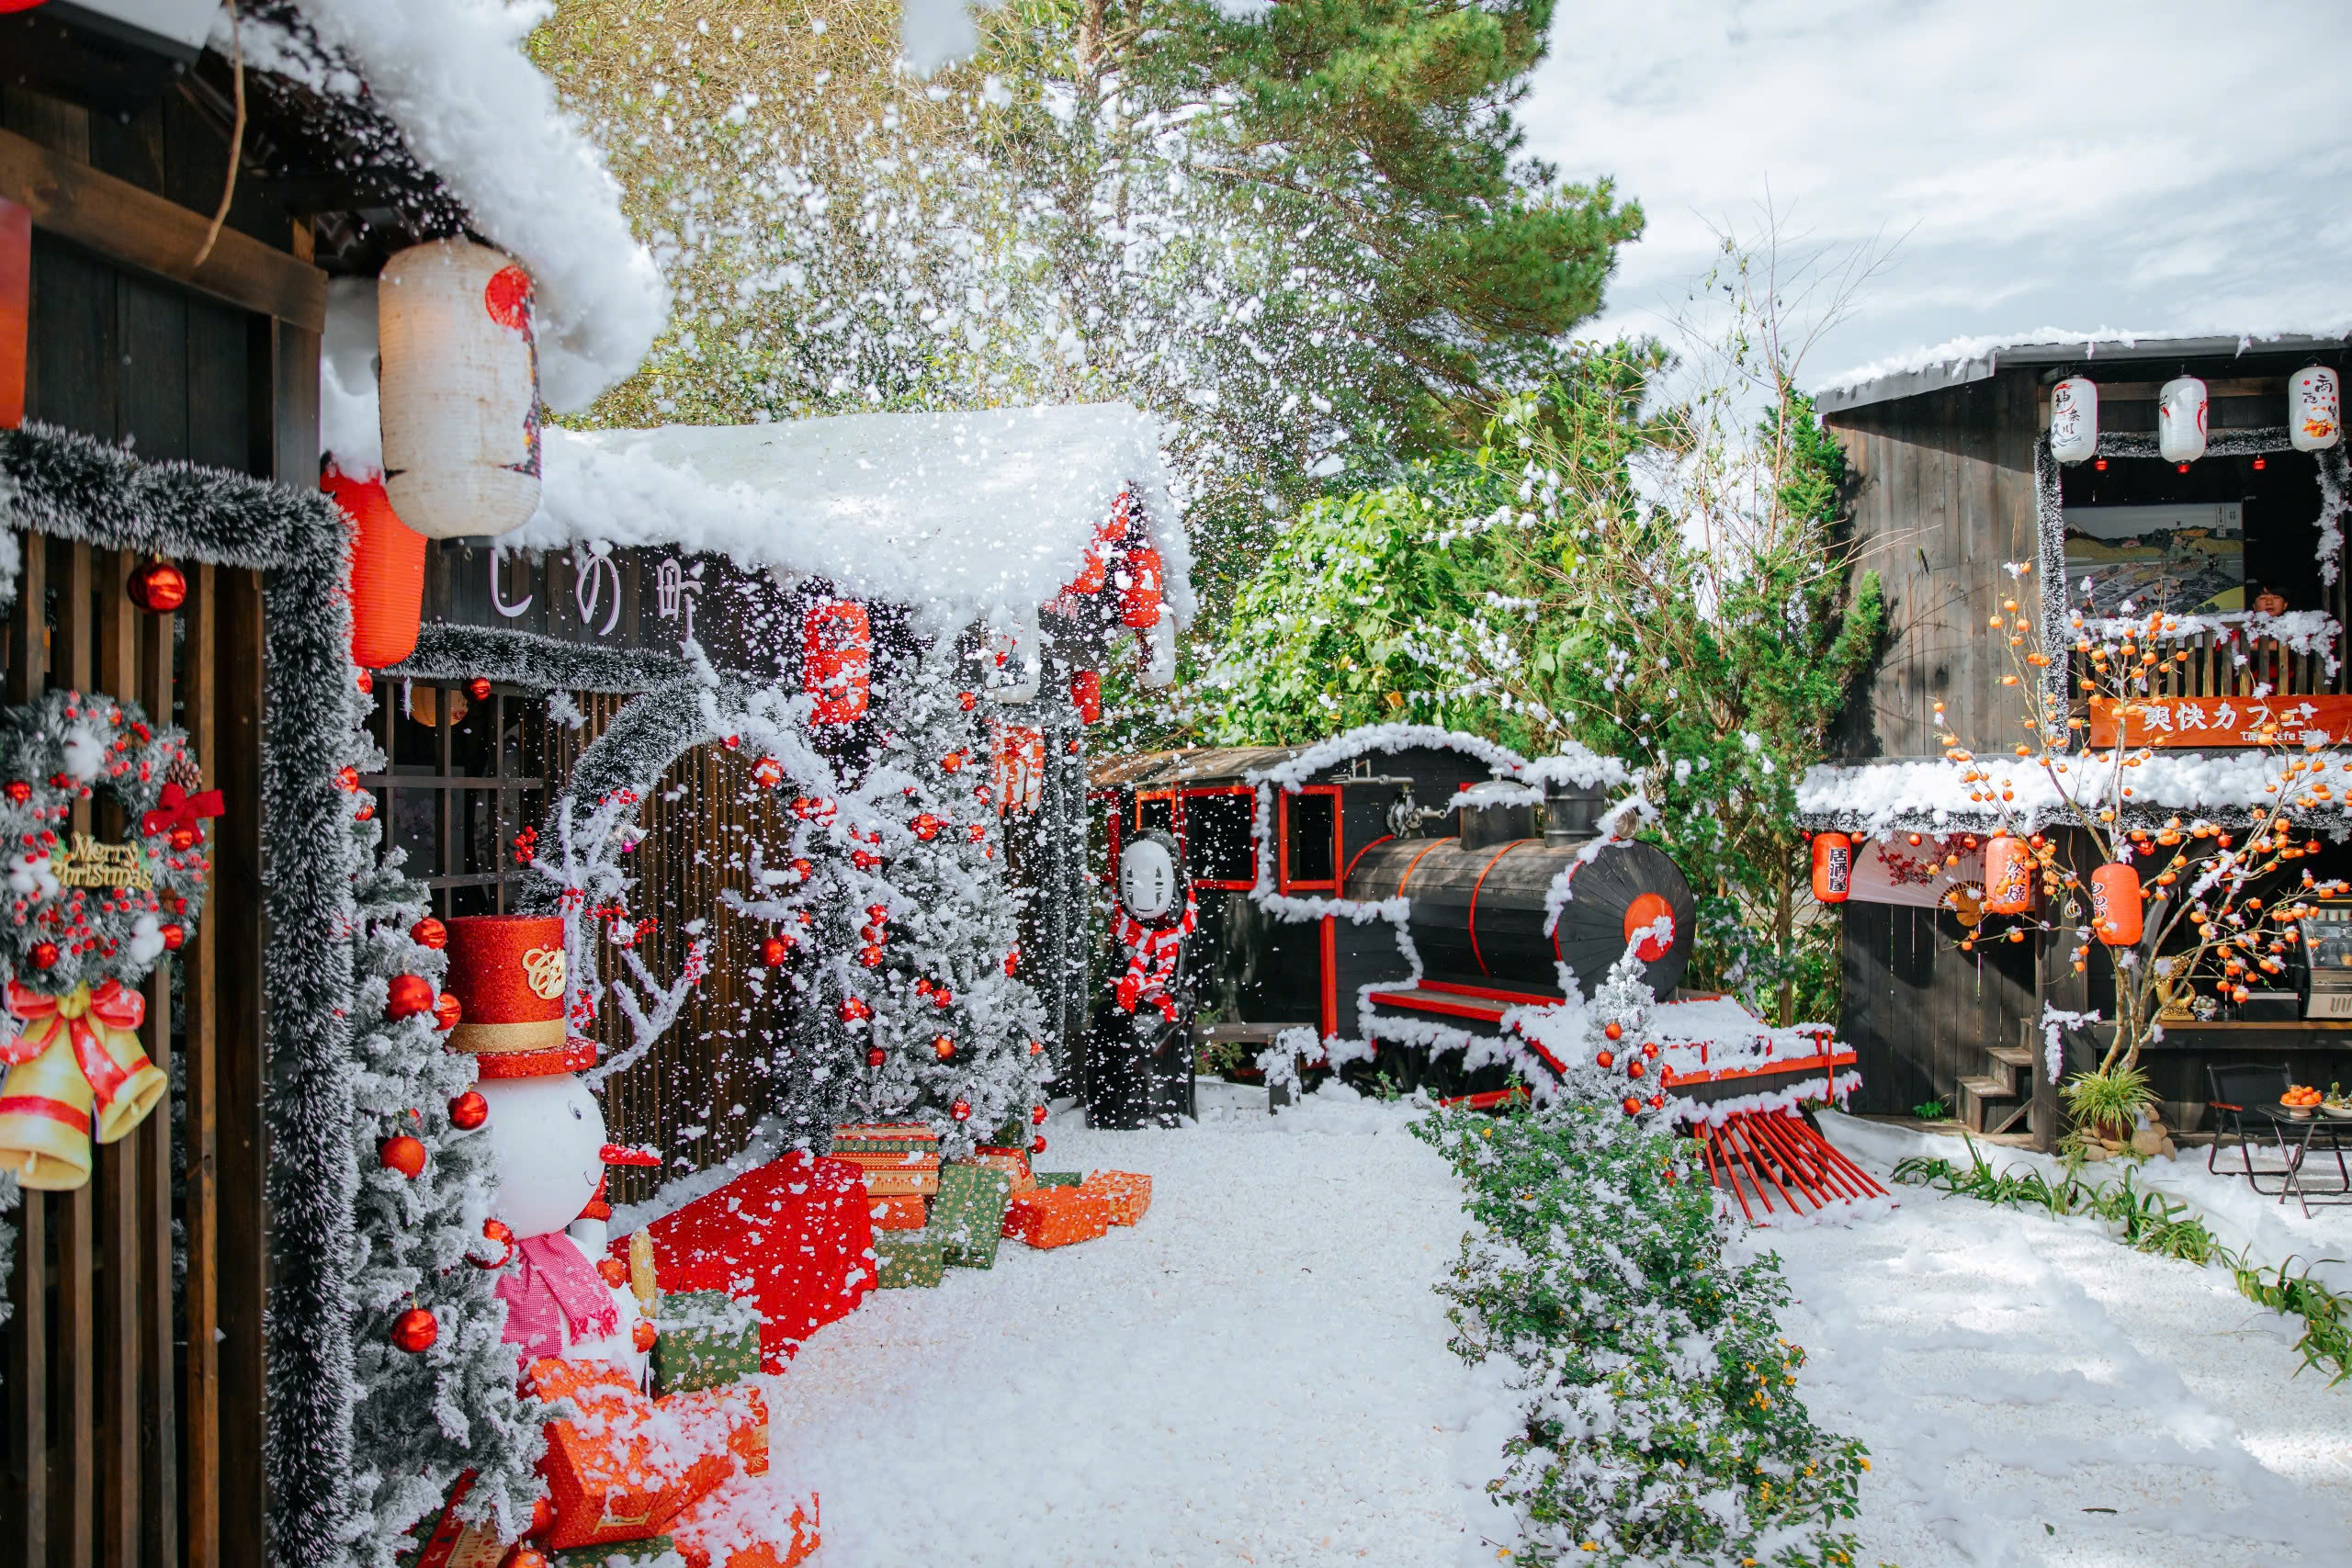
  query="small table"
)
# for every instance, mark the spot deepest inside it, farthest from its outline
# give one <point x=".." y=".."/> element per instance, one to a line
<point x="2294" y="1136"/>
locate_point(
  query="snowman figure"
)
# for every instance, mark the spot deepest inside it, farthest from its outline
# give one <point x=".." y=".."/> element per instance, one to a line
<point x="546" y="1134"/>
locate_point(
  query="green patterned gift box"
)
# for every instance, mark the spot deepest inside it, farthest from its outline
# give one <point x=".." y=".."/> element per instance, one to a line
<point x="703" y="1339"/>
<point x="968" y="1214"/>
<point x="904" y="1258"/>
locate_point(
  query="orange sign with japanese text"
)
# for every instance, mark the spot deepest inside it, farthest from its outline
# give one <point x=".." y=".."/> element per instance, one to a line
<point x="2187" y="723"/>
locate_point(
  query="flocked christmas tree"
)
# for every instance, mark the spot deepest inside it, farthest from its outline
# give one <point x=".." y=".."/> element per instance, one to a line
<point x="437" y="1392"/>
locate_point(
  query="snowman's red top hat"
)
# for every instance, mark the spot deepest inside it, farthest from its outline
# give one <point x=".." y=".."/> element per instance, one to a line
<point x="507" y="972"/>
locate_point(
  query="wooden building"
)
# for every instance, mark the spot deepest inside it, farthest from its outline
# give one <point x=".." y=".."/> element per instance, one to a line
<point x="1952" y="476"/>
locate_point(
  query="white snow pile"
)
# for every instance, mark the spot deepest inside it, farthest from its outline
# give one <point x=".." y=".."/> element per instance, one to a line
<point x="1251" y="1375"/>
<point x="956" y="514"/>
<point x="1958" y="351"/>
<point x="451" y="73"/>
<point x="2032" y="1392"/>
<point x="1928" y="793"/>
<point x="350" y="422"/>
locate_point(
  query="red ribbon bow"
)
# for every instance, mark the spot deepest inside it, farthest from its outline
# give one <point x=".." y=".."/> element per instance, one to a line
<point x="110" y="1004"/>
<point x="180" y="809"/>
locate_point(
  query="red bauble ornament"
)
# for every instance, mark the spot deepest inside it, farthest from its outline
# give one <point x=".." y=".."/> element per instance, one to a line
<point x="951" y="762"/>
<point x="641" y="1334"/>
<point x="941" y="996"/>
<point x="857" y="1008"/>
<point x="467" y="1111"/>
<point x="767" y="773"/>
<point x="774" y="951"/>
<point x="927" y="826"/>
<point x="158" y="587"/>
<point x="944" y="1047"/>
<point x="1633" y="1106"/>
<point x="403" y="1153"/>
<point x="183" y="838"/>
<point x="1657" y="1102"/>
<point x="1634" y="1069"/>
<point x="967" y="701"/>
<point x="447" y="1011"/>
<point x="542" y="1516"/>
<point x="801" y="868"/>
<point x="530" y="1556"/>
<point x="44" y="955"/>
<point x="1013" y="961"/>
<point x="366" y="812"/>
<point x="1036" y="1048"/>
<point x="961" y="1110"/>
<point x="175" y="937"/>
<point x="1036" y="1116"/>
<point x="1038" y="1145"/>
<point x="502" y="1234"/>
<point x="407" y="996"/>
<point x="613" y="1271"/>
<point x="429" y="933"/>
<point x="366" y="683"/>
<point x="1649" y="1049"/>
<point x="19" y="791"/>
<point x="875" y="1056"/>
<point x="480" y="687"/>
<point x="978" y="831"/>
<point x="1606" y="1058"/>
<point x="415" y="1330"/>
<point x="1615" y="1031"/>
<point x="871" y="956"/>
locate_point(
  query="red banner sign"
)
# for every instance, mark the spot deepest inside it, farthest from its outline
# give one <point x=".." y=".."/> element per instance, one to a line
<point x="2187" y="723"/>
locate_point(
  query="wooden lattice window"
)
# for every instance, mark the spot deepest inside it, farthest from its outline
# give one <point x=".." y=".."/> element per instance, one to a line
<point x="467" y="774"/>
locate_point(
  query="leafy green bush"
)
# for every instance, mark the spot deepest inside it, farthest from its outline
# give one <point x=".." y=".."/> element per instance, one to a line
<point x="1661" y="1419"/>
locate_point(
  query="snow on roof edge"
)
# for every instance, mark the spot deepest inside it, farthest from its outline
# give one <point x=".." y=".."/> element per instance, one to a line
<point x="453" y="75"/>
<point x="1956" y="352"/>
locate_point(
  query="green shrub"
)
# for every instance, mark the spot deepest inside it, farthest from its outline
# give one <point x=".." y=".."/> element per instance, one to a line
<point x="1661" y="1422"/>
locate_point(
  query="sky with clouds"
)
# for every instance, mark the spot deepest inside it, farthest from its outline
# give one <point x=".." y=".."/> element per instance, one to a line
<point x="2148" y="166"/>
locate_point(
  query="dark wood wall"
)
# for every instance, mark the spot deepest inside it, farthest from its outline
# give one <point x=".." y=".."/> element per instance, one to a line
<point x="1918" y="1012"/>
<point x="132" y="1411"/>
<point x="1942" y="495"/>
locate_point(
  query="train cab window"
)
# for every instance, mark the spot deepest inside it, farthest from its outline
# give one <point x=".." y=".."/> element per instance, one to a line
<point x="1216" y="837"/>
<point x="1310" y="852"/>
<point x="1156" y="811"/>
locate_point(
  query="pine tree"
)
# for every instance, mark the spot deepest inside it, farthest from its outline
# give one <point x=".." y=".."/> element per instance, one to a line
<point x="937" y="925"/>
<point x="423" y="1418"/>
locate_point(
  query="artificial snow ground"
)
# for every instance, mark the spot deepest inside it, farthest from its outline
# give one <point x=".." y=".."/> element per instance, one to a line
<point x="1258" y="1374"/>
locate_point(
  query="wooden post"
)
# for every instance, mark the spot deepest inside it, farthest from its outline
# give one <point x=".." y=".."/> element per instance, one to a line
<point x="24" y="1490"/>
<point x="73" y="1518"/>
<point x="116" y="1483"/>
<point x="200" y="1365"/>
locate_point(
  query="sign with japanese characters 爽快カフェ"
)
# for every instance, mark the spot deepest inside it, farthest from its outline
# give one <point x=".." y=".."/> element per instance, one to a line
<point x="2190" y="722"/>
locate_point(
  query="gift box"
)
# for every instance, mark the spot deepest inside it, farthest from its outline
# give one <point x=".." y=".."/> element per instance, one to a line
<point x="897" y="1173"/>
<point x="652" y="1548"/>
<point x="1059" y="1179"/>
<point x="1125" y="1194"/>
<point x="793" y="1236"/>
<point x="610" y="1479"/>
<point x="907" y="1213"/>
<point x="910" y="1258"/>
<point x="704" y="1339"/>
<point x="882" y="1138"/>
<point x="1013" y="1162"/>
<point x="1056" y="1216"/>
<point x="446" y="1543"/>
<point x="969" y="1214"/>
<point x="746" y="1526"/>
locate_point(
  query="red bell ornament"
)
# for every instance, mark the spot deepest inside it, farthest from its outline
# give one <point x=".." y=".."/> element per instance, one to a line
<point x="158" y="587"/>
<point x="415" y="1330"/>
<point x="1833" y="868"/>
<point x="2009" y="875"/>
<point x="2115" y="904"/>
<point x="387" y="572"/>
<point x="836" y="660"/>
<point x="1140" y="597"/>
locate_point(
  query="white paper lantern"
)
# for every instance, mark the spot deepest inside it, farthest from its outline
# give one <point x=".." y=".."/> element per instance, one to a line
<point x="2074" y="419"/>
<point x="1158" y="667"/>
<point x="546" y="1138"/>
<point x="2314" y="409"/>
<point x="1012" y="659"/>
<point x="459" y="390"/>
<point x="2181" y="419"/>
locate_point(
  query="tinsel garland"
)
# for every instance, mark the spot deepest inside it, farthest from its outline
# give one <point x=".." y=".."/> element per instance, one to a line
<point x="72" y="487"/>
<point x="527" y="658"/>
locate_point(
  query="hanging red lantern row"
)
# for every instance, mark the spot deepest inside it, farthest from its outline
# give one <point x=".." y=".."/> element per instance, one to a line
<point x="837" y="660"/>
<point x="1833" y="867"/>
<point x="2115" y="904"/>
<point x="2009" y="875"/>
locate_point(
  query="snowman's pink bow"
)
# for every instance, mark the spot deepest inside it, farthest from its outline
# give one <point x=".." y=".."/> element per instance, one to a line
<point x="552" y="1284"/>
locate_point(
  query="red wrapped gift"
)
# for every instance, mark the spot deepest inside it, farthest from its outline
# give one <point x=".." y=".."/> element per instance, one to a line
<point x="629" y="1464"/>
<point x="1056" y="1216"/>
<point x="793" y="1237"/>
<point x="450" y="1544"/>
<point x="747" y="1525"/>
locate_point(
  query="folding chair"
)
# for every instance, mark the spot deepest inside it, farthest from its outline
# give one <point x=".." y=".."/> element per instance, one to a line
<point x="2231" y="1092"/>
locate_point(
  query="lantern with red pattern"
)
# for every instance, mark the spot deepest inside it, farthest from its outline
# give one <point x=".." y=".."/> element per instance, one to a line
<point x="1833" y="867"/>
<point x="837" y="660"/>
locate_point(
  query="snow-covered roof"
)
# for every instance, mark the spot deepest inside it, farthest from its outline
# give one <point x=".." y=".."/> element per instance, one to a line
<point x="1960" y="360"/>
<point x="1927" y="794"/>
<point x="953" y="515"/>
<point x="452" y="75"/>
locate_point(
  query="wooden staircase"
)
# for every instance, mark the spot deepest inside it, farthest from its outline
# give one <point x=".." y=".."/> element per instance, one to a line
<point x="1997" y="1098"/>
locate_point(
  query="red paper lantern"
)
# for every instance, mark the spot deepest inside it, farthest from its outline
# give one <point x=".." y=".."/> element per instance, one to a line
<point x="403" y="1153"/>
<point x="1086" y="695"/>
<point x="1139" y="600"/>
<point x="409" y="995"/>
<point x="2115" y="904"/>
<point x="415" y="1330"/>
<point x="468" y="1111"/>
<point x="1833" y="867"/>
<point x="429" y="933"/>
<point x="836" y="660"/>
<point x="2009" y="875"/>
<point x="158" y="587"/>
<point x="387" y="572"/>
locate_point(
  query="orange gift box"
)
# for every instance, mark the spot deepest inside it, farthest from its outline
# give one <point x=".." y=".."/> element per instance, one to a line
<point x="629" y="1464"/>
<point x="1013" y="1162"/>
<point x="1056" y="1216"/>
<point x="1128" y="1194"/>
<point x="902" y="1213"/>
<point x="735" y="1528"/>
<point x="896" y="1174"/>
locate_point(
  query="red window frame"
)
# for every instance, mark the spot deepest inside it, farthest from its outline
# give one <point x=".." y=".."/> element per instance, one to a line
<point x="1184" y="838"/>
<point x="1283" y="882"/>
<point x="1114" y="821"/>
